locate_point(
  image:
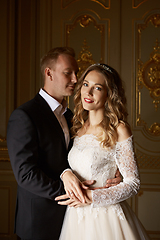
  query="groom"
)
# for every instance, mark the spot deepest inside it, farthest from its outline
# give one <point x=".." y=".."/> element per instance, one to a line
<point x="38" y="141"/>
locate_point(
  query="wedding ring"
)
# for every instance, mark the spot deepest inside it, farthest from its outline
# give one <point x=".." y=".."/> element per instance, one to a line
<point x="71" y="193"/>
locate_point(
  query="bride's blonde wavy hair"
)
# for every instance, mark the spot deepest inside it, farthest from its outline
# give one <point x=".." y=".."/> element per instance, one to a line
<point x="115" y="105"/>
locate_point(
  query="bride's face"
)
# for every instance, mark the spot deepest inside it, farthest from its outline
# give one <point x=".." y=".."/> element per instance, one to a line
<point x="93" y="91"/>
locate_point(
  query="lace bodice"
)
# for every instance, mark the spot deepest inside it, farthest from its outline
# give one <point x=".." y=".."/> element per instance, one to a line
<point x="89" y="161"/>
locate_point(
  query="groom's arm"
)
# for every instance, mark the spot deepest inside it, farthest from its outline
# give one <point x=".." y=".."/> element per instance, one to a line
<point x="114" y="181"/>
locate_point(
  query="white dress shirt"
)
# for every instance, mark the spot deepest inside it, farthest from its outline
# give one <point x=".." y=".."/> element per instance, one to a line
<point x="59" y="110"/>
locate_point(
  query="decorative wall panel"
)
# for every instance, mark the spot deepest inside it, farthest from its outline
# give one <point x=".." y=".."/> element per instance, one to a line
<point x="79" y="34"/>
<point x="147" y="91"/>
<point x="146" y="110"/>
<point x="148" y="76"/>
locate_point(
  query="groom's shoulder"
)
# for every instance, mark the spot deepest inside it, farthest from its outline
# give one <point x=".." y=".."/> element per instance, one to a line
<point x="30" y="106"/>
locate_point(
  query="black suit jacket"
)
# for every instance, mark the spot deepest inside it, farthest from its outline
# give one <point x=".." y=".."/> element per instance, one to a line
<point x="38" y="155"/>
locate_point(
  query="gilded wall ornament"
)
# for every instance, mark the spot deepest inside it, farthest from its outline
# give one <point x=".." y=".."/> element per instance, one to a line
<point x="155" y="129"/>
<point x="137" y="3"/>
<point x="154" y="19"/>
<point x="104" y="3"/>
<point x="85" y="58"/>
<point x="84" y="21"/>
<point x="149" y="74"/>
<point x="87" y="21"/>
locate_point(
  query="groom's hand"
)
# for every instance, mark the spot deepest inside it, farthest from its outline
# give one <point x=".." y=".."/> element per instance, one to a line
<point x="115" y="181"/>
<point x="110" y="182"/>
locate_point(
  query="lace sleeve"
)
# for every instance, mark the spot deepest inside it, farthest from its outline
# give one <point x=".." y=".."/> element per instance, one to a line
<point x="126" y="162"/>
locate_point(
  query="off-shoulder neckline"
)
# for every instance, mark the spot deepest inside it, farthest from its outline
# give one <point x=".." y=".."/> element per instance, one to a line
<point x="91" y="134"/>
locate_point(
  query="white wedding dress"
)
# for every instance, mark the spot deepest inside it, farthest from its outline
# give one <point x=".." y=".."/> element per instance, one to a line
<point x="109" y="217"/>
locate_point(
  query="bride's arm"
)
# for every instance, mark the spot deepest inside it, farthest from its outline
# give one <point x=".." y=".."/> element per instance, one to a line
<point x="126" y="162"/>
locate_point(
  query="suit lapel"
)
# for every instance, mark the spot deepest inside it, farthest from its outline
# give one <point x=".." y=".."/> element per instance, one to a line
<point x="46" y="110"/>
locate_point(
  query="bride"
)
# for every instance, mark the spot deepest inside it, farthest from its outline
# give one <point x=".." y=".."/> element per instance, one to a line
<point x="103" y="142"/>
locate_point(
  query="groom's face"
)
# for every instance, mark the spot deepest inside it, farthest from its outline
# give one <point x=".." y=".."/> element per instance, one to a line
<point x="65" y="75"/>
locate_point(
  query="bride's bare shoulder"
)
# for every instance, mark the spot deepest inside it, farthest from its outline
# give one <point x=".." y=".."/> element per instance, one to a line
<point x="123" y="131"/>
<point x="81" y="132"/>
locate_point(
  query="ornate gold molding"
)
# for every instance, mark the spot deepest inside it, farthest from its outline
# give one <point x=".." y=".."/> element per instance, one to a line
<point x="154" y="129"/>
<point x="137" y="3"/>
<point x="154" y="19"/>
<point x="66" y="3"/>
<point x="84" y="21"/>
<point x="85" y="58"/>
<point x="148" y="77"/>
<point x="104" y="3"/>
<point x="149" y="74"/>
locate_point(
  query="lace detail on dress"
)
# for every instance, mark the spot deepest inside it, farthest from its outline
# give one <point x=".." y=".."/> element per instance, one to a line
<point x="82" y="211"/>
<point x="89" y="161"/>
<point x="87" y="140"/>
<point x="125" y="159"/>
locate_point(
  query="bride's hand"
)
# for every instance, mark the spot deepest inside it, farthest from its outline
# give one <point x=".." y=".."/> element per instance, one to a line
<point x="66" y="200"/>
<point x="74" y="202"/>
<point x="73" y="186"/>
<point x="111" y="182"/>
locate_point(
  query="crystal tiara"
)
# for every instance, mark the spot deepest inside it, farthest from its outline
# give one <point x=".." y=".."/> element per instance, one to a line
<point x="105" y="67"/>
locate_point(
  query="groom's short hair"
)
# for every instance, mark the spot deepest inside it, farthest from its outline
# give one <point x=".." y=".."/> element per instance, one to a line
<point x="49" y="59"/>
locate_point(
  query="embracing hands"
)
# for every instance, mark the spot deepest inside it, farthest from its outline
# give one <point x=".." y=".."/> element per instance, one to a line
<point x="79" y="194"/>
<point x="73" y="201"/>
